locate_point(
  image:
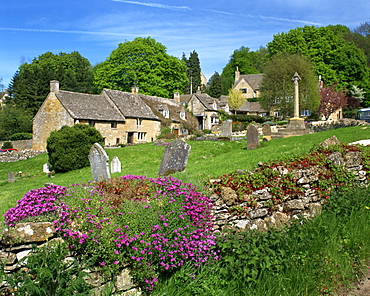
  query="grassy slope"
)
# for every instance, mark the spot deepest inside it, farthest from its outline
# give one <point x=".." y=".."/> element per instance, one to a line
<point x="207" y="160"/>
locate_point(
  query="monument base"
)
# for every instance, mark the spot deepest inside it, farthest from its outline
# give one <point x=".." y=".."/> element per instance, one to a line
<point x="296" y="123"/>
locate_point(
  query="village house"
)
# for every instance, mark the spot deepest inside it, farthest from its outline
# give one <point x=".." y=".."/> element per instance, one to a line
<point x="249" y="85"/>
<point x="121" y="117"/>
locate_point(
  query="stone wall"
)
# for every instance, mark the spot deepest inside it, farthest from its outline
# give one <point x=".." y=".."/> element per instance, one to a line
<point x="12" y="156"/>
<point x="20" y="144"/>
<point x="16" y="243"/>
<point x="264" y="213"/>
<point x="319" y="126"/>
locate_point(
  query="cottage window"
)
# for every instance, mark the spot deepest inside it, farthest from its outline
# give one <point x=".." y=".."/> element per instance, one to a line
<point x="276" y="113"/>
<point x="166" y="113"/>
<point x="182" y="115"/>
<point x="141" y="136"/>
<point x="244" y="90"/>
<point x="92" y="122"/>
<point x="214" y="120"/>
<point x="305" y="112"/>
<point x="113" y="124"/>
<point x="77" y="121"/>
<point x="139" y="121"/>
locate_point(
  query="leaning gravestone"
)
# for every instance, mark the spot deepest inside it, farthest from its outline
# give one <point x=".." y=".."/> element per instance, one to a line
<point x="115" y="165"/>
<point x="175" y="158"/>
<point x="99" y="163"/>
<point x="226" y="128"/>
<point x="252" y="137"/>
<point x="11" y="177"/>
<point x="266" y="130"/>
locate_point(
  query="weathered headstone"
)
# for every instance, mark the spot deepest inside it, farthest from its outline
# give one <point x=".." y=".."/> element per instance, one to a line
<point x="99" y="163"/>
<point x="266" y="130"/>
<point x="252" y="137"/>
<point x="175" y="158"/>
<point x="226" y="128"/>
<point x="115" y="165"/>
<point x="46" y="168"/>
<point x="11" y="177"/>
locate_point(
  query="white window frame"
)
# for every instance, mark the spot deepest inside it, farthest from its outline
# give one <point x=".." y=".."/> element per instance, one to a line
<point x="141" y="136"/>
<point x="182" y="115"/>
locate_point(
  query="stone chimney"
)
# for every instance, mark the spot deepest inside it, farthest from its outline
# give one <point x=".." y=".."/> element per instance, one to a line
<point x="176" y="97"/>
<point x="54" y="86"/>
<point x="237" y="74"/>
<point x="135" y="90"/>
<point x="199" y="91"/>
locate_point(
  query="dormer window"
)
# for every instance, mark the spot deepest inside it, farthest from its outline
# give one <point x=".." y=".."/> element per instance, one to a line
<point x="182" y="115"/>
<point x="214" y="106"/>
<point x="244" y="90"/>
<point x="166" y="113"/>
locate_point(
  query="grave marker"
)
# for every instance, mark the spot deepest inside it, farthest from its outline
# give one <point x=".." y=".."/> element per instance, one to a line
<point x="99" y="163"/>
<point x="11" y="177"/>
<point x="175" y="158"/>
<point x="252" y="137"/>
<point x="46" y="168"/>
<point x="226" y="128"/>
<point x="266" y="130"/>
<point x="115" y="165"/>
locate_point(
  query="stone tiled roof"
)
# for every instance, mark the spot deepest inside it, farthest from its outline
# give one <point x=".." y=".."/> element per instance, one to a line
<point x="254" y="80"/>
<point x="207" y="101"/>
<point x="129" y="104"/>
<point x="88" y="106"/>
<point x="254" y="107"/>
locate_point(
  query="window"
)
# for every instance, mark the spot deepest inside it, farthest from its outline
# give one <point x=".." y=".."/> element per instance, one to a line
<point x="92" y="122"/>
<point x="139" y="121"/>
<point x="166" y="113"/>
<point x="141" y="136"/>
<point x="214" y="106"/>
<point x="182" y="115"/>
<point x="113" y="124"/>
<point x="214" y="120"/>
<point x="77" y="121"/>
<point x="305" y="112"/>
<point x="276" y="113"/>
<point x="244" y="90"/>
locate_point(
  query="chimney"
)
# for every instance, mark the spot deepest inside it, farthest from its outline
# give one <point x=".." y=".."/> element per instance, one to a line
<point x="176" y="97"/>
<point x="237" y="74"/>
<point x="135" y="90"/>
<point x="54" y="86"/>
<point x="199" y="91"/>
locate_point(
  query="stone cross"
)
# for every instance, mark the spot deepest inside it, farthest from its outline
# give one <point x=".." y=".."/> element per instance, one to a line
<point x="11" y="177"/>
<point x="175" y="158"/>
<point x="296" y="78"/>
<point x="252" y="137"/>
<point x="226" y="128"/>
<point x="115" y="165"/>
<point x="99" y="163"/>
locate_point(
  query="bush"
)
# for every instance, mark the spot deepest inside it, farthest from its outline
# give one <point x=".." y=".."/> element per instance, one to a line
<point x="7" y="145"/>
<point x="20" y="136"/>
<point x="69" y="147"/>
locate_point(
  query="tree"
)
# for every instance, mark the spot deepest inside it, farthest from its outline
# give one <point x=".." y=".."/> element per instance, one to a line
<point x="31" y="83"/>
<point x="14" y="120"/>
<point x="214" y="87"/>
<point x="338" y="61"/>
<point x="236" y="99"/>
<point x="331" y="100"/>
<point x="245" y="60"/>
<point x="193" y="72"/>
<point x="69" y="147"/>
<point x="277" y="87"/>
<point x="143" y="63"/>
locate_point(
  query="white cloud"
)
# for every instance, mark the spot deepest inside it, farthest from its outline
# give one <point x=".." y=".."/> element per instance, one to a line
<point x="157" y="5"/>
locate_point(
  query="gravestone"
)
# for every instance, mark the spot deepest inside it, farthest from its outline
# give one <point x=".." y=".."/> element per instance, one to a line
<point x="99" y="163"/>
<point x="11" y="177"/>
<point x="252" y="137"/>
<point x="115" y="165"/>
<point x="226" y="128"/>
<point x="266" y="130"/>
<point x="175" y="158"/>
<point x="46" y="168"/>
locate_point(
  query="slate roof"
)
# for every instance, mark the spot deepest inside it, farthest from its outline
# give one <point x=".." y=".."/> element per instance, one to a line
<point x="254" y="80"/>
<point x="207" y="101"/>
<point x="254" y="107"/>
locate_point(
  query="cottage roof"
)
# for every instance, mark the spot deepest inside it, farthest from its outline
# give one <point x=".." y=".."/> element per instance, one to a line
<point x="207" y="101"/>
<point x="88" y="106"/>
<point x="254" y="80"/>
<point x="252" y="107"/>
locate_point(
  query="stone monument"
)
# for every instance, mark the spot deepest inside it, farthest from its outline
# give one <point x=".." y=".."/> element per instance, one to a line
<point x="11" y="177"/>
<point x="175" y="158"/>
<point x="115" y="165"/>
<point x="99" y="163"/>
<point x="296" y="122"/>
<point x="226" y="128"/>
<point x="252" y="137"/>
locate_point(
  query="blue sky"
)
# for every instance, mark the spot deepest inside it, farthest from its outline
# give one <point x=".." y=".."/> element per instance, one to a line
<point x="214" y="28"/>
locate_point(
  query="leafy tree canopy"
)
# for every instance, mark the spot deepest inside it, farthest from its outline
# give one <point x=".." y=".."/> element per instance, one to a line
<point x="214" y="88"/>
<point x="14" y="120"/>
<point x="338" y="61"/>
<point x="143" y="63"/>
<point x="277" y="87"/>
<point x="331" y="100"/>
<point x="31" y="83"/>
<point x="235" y="99"/>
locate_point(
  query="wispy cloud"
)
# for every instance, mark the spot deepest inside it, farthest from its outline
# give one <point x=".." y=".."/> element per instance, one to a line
<point x="157" y="5"/>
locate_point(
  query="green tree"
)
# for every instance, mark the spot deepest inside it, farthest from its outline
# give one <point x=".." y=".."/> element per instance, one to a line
<point x="193" y="72"/>
<point x="235" y="99"/>
<point x="214" y="87"/>
<point x="245" y="60"/>
<point x="143" y="63"/>
<point x="14" y="120"/>
<point x="338" y="61"/>
<point x="277" y="87"/>
<point x="31" y="83"/>
<point x="69" y="147"/>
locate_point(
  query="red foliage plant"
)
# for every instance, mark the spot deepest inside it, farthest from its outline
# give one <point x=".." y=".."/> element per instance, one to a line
<point x="331" y="100"/>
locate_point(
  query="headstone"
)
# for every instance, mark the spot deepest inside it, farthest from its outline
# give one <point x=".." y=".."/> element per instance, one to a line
<point x="11" y="177"/>
<point x="175" y="158"/>
<point x="226" y="128"/>
<point x="99" y="163"/>
<point x="252" y="137"/>
<point x="330" y="141"/>
<point x="266" y="130"/>
<point x="115" y="165"/>
<point x="46" y="168"/>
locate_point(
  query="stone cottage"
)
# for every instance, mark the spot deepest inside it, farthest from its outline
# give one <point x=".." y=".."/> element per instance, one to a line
<point x="121" y="117"/>
<point x="249" y="84"/>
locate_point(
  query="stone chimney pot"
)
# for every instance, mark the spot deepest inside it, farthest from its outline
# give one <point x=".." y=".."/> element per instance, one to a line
<point x="54" y="86"/>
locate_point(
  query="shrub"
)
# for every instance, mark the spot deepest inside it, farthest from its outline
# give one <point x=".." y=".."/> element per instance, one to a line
<point x="7" y="145"/>
<point x="68" y="148"/>
<point x="20" y="136"/>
